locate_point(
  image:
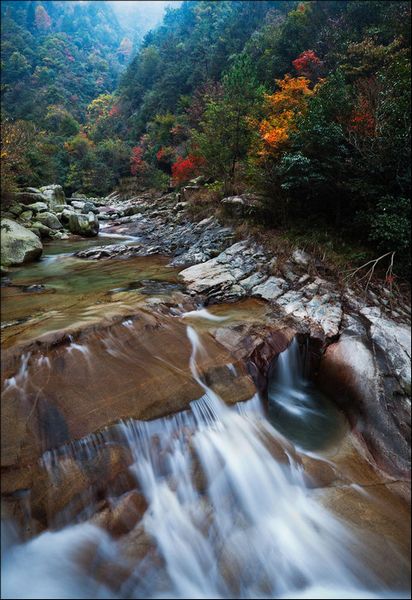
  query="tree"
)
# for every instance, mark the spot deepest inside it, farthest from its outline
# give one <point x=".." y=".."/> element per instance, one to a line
<point x="283" y="109"/>
<point x="42" y="19"/>
<point x="16" y="137"/>
<point x="225" y="131"/>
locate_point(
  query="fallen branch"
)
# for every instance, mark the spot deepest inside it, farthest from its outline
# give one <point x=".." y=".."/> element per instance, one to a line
<point x="369" y="273"/>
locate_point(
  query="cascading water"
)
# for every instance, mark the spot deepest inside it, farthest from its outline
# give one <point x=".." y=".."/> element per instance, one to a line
<point x="225" y="519"/>
<point x="296" y="408"/>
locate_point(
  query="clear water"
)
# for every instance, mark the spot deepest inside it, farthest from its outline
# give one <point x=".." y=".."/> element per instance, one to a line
<point x="225" y="519"/>
<point x="74" y="289"/>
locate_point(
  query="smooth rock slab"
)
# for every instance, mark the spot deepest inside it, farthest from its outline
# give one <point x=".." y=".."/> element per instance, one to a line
<point x="363" y="372"/>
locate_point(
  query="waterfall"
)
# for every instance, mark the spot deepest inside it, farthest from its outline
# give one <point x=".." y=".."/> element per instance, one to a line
<point x="226" y="519"/>
<point x="297" y="408"/>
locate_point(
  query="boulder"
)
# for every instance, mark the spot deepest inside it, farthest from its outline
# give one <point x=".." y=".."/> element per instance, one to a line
<point x="242" y="205"/>
<point x="38" y="207"/>
<point x="18" y="244"/>
<point x="50" y="220"/>
<point x="64" y="215"/>
<point x="26" y="215"/>
<point x="42" y="230"/>
<point x="86" y="225"/>
<point x="30" y="197"/>
<point x="90" y="207"/>
<point x="301" y="258"/>
<point x="54" y="195"/>
<point x="16" y="209"/>
<point x="78" y="204"/>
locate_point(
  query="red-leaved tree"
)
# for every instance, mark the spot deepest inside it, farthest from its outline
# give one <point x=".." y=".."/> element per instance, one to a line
<point x="185" y="168"/>
<point x="138" y="166"/>
<point x="308" y="64"/>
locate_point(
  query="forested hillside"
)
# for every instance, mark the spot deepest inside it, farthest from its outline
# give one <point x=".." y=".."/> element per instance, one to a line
<point x="307" y="103"/>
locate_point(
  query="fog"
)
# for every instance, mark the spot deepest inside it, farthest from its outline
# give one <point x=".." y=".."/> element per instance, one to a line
<point x="141" y="14"/>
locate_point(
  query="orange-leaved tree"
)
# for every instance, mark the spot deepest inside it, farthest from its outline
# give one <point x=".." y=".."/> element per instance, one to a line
<point x="283" y="107"/>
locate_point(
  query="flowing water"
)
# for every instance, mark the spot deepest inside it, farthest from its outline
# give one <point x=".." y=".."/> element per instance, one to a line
<point x="299" y="410"/>
<point x="227" y="511"/>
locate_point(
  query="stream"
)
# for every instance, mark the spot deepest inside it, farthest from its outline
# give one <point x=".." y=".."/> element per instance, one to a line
<point x="217" y="502"/>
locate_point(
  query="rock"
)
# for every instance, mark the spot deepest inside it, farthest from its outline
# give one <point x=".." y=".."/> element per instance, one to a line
<point x="395" y="341"/>
<point x="50" y="220"/>
<point x="124" y="515"/>
<point x="16" y="209"/>
<point x="85" y="225"/>
<point x="38" y="207"/>
<point x="30" y="197"/>
<point x="78" y="204"/>
<point x="18" y="244"/>
<point x="242" y="205"/>
<point x="317" y="303"/>
<point x="90" y="207"/>
<point x="111" y="250"/>
<point x="200" y="180"/>
<point x="59" y="235"/>
<point x="42" y="230"/>
<point x="54" y="195"/>
<point x="252" y="281"/>
<point x="368" y="374"/>
<point x="64" y="215"/>
<point x="114" y="392"/>
<point x="180" y="206"/>
<point x="271" y="289"/>
<point x="234" y="205"/>
<point x="26" y="215"/>
<point x="301" y="258"/>
<point x="217" y="276"/>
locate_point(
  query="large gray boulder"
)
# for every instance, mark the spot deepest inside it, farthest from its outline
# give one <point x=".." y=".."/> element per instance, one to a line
<point x="18" y="244"/>
<point x="64" y="216"/>
<point x="54" y="195"/>
<point x="50" y="220"/>
<point x="85" y="225"/>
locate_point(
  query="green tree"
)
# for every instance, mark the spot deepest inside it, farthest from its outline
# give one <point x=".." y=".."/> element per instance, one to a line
<point x="225" y="131"/>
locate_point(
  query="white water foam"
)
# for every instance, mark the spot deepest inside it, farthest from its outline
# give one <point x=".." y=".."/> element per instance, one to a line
<point x="226" y="518"/>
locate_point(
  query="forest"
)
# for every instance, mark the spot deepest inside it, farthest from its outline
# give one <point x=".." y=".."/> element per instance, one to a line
<point x="305" y="103"/>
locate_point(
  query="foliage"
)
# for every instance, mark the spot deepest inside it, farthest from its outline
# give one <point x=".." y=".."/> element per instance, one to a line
<point x="16" y="137"/>
<point x="186" y="168"/>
